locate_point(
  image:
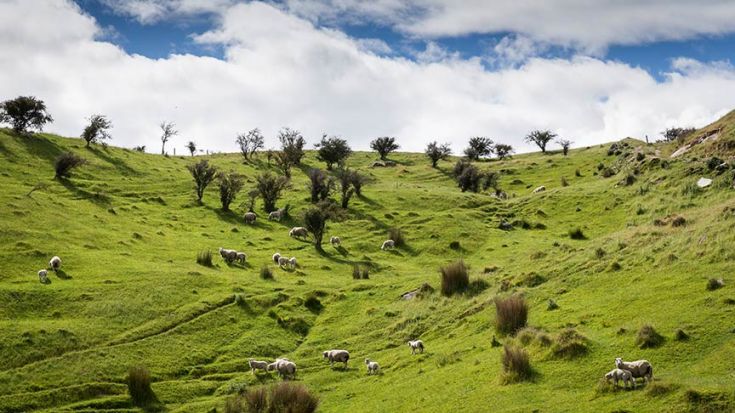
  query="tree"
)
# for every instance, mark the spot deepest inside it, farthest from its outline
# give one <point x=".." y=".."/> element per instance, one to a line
<point x="347" y="180"/>
<point x="168" y="131"/>
<point x="270" y="187"/>
<point x="672" y="134"/>
<point x="565" y="144"/>
<point x="540" y="138"/>
<point x="24" y="112"/>
<point x="437" y="152"/>
<point x="97" y="130"/>
<point x="503" y="151"/>
<point x="479" y="147"/>
<point x="229" y="186"/>
<point x="249" y="143"/>
<point x="384" y="145"/>
<point x="203" y="175"/>
<point x="470" y="178"/>
<point x="65" y="162"/>
<point x="192" y="147"/>
<point x="252" y="196"/>
<point x="283" y="162"/>
<point x="315" y="221"/>
<point x="358" y="180"/>
<point x="332" y="151"/>
<point x="292" y="144"/>
<point x="320" y="185"/>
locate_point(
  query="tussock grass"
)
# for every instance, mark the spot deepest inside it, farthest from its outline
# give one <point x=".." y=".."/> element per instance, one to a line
<point x="205" y="258"/>
<point x="516" y="365"/>
<point x="648" y="337"/>
<point x="139" y="386"/>
<point x="455" y="278"/>
<point x="511" y="314"/>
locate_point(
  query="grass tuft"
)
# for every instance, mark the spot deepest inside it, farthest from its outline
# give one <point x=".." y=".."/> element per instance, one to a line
<point x="139" y="386"/>
<point x="648" y="337"/>
<point x="511" y="314"/>
<point x="396" y="235"/>
<point x="266" y="272"/>
<point x="454" y="278"/>
<point x="205" y="258"/>
<point x="516" y="365"/>
<point x="576" y="233"/>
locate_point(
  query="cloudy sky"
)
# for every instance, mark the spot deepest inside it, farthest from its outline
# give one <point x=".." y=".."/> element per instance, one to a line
<point x="419" y="70"/>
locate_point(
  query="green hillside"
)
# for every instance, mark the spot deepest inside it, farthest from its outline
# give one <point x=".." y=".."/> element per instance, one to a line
<point x="128" y="230"/>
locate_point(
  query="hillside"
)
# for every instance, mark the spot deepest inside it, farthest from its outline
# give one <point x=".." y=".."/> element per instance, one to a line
<point x="128" y="230"/>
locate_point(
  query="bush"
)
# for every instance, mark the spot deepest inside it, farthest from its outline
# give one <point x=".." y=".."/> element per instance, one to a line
<point x="569" y="344"/>
<point x="320" y="185"/>
<point x="65" y="162"/>
<point x="396" y="235"/>
<point x="384" y="145"/>
<point x="564" y="181"/>
<point x="139" y="386"/>
<point x="313" y="303"/>
<point x="576" y="233"/>
<point x="552" y="305"/>
<point x="24" y="112"/>
<point x="714" y="284"/>
<point x="479" y="147"/>
<point x="454" y="278"/>
<point x="436" y="152"/>
<point x="315" y="221"/>
<point x="269" y="187"/>
<point x="454" y="245"/>
<point x="266" y="273"/>
<point x="97" y="130"/>
<point x="648" y="337"/>
<point x="292" y="146"/>
<point x="205" y="258"/>
<point x="229" y="186"/>
<point x="516" y="365"/>
<point x="511" y="314"/>
<point x="332" y="151"/>
<point x="279" y="398"/>
<point x="678" y="222"/>
<point x="203" y="175"/>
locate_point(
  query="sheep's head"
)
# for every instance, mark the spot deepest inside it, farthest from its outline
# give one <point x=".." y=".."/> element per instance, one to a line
<point x="618" y="362"/>
<point x="367" y="361"/>
<point x="325" y="354"/>
<point x="609" y="375"/>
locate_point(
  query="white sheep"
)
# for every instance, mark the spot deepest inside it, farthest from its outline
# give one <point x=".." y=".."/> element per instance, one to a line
<point x="539" y="189"/>
<point x="388" y="244"/>
<point x="337" y="356"/>
<point x="284" y="367"/>
<point x="283" y="262"/>
<point x="372" y="367"/>
<point x="276" y="256"/>
<point x="298" y="232"/>
<point x="292" y="262"/>
<point x="275" y="215"/>
<point x="228" y="255"/>
<point x="638" y="368"/>
<point x="618" y="374"/>
<point x="335" y="241"/>
<point x="416" y="345"/>
<point x="55" y="263"/>
<point x="43" y="276"/>
<point x="250" y="217"/>
<point x="241" y="257"/>
<point x="257" y="365"/>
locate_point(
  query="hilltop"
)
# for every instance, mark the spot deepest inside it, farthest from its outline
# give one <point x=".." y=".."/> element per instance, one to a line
<point x="129" y="230"/>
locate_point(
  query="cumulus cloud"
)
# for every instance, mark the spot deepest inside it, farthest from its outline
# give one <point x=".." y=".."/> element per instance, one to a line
<point x="282" y="70"/>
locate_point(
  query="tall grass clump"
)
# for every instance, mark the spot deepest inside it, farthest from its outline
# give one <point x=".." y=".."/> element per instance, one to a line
<point x="569" y="344"/>
<point x="396" y="235"/>
<point x="65" y="162"/>
<point x="648" y="337"/>
<point x="511" y="314"/>
<point x="455" y="278"/>
<point x="279" y="398"/>
<point x="205" y="258"/>
<point x="139" y="386"/>
<point x="516" y="365"/>
<point x="576" y="233"/>
<point x="266" y="273"/>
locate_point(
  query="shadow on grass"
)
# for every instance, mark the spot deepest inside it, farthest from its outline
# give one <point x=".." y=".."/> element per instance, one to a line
<point x="116" y="162"/>
<point x="39" y="146"/>
<point x="63" y="275"/>
<point x="340" y="260"/>
<point x="368" y="201"/>
<point x="97" y="198"/>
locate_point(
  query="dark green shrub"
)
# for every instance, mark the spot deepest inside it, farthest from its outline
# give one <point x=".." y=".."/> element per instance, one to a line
<point x="454" y="278"/>
<point x="65" y="162"/>
<point x="511" y="314"/>
<point x="454" y="245"/>
<point x="313" y="303"/>
<point x="576" y="233"/>
<point x="266" y="273"/>
<point x="203" y="175"/>
<point x="396" y="235"/>
<point x="205" y="258"/>
<point x="139" y="386"/>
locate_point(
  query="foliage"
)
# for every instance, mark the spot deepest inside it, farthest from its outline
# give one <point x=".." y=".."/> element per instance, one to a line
<point x="565" y="145"/>
<point x="569" y="344"/>
<point x="192" y="147"/>
<point x="511" y="314"/>
<point x="139" y="386"/>
<point x="332" y="150"/>
<point x="23" y="113"/>
<point x="384" y="145"/>
<point x="396" y="235"/>
<point x="97" y="130"/>
<point x="540" y="138"/>
<point x="350" y="182"/>
<point x="168" y="131"/>
<point x="479" y="147"/>
<point x="292" y="145"/>
<point x="266" y="273"/>
<point x="270" y="187"/>
<point x="229" y="186"/>
<point x="516" y="365"/>
<point x="65" y="162"/>
<point x="283" y="163"/>
<point x="315" y="221"/>
<point x="320" y="185"/>
<point x="672" y="134"/>
<point x="470" y="178"/>
<point x="250" y="142"/>
<point x="576" y="233"/>
<point x="455" y="278"/>
<point x="205" y="258"/>
<point x="203" y="175"/>
<point x="503" y="151"/>
<point x="436" y="152"/>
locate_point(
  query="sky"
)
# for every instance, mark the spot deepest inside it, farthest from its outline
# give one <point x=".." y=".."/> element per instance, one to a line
<point x="419" y="70"/>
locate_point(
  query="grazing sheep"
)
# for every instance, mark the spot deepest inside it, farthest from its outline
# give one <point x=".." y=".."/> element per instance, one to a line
<point x="55" y="263"/>
<point x="298" y="232"/>
<point x="250" y="217"/>
<point x="284" y="367"/>
<point x="539" y="189"/>
<point x="617" y="375"/>
<point x="372" y="367"/>
<point x="257" y="365"/>
<point x="337" y="356"/>
<point x="388" y="244"/>
<point x="638" y="368"/>
<point x="241" y="257"/>
<point x="275" y="215"/>
<point x="276" y="256"/>
<point x="283" y="262"/>
<point x="292" y="263"/>
<point x="43" y="276"/>
<point x="335" y="241"/>
<point x="416" y="345"/>
<point x="228" y="255"/>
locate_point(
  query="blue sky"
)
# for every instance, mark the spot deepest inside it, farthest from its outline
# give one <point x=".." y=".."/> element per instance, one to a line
<point x="420" y="70"/>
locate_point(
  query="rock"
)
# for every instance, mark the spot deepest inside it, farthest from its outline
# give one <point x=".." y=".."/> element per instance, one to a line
<point x="539" y="189"/>
<point x="704" y="182"/>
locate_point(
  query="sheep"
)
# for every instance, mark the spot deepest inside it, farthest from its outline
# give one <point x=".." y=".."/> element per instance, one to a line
<point x="292" y="262"/>
<point x="228" y="255"/>
<point x="617" y="375"/>
<point x="416" y="345"/>
<point x="283" y="262"/>
<point x="250" y="217"/>
<point x="55" y="263"/>
<point x="337" y="356"/>
<point x="276" y="256"/>
<point x="372" y="367"/>
<point x="284" y="367"/>
<point x="335" y="241"/>
<point x="638" y="368"/>
<point x="275" y="215"/>
<point x="298" y="232"/>
<point x="241" y="257"/>
<point x="43" y="276"/>
<point x="388" y="244"/>
<point x="539" y="189"/>
<point x="257" y="365"/>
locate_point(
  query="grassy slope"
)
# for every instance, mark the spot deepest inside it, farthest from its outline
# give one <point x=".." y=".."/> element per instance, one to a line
<point x="128" y="232"/>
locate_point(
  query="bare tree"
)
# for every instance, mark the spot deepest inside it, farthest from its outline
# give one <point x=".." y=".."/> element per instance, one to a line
<point x="541" y="138"/>
<point x="565" y="145"/>
<point x="97" y="130"/>
<point x="283" y="162"/>
<point x="168" y="131"/>
<point x="436" y="152"/>
<point x="292" y="144"/>
<point x="249" y="143"/>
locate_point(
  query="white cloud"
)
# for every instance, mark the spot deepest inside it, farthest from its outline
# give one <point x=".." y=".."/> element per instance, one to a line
<point x="152" y="11"/>
<point x="280" y="70"/>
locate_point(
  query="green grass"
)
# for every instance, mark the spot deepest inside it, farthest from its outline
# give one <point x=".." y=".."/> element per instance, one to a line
<point x="128" y="229"/>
